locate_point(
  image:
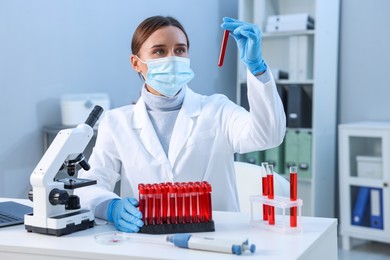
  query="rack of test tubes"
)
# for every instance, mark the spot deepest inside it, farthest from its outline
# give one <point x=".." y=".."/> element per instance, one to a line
<point x="179" y="207"/>
<point x="269" y="202"/>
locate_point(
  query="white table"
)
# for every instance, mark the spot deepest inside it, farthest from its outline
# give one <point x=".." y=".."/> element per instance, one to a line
<point x="317" y="240"/>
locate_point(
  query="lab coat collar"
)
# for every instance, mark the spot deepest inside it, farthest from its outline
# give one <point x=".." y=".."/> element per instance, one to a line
<point x="183" y="127"/>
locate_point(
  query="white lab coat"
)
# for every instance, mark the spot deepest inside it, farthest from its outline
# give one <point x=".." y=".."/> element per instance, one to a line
<point x="207" y="133"/>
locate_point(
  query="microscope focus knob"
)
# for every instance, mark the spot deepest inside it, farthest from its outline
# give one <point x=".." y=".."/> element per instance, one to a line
<point x="58" y="197"/>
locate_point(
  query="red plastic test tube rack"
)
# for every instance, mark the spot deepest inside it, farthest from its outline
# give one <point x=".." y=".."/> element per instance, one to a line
<point x="175" y="203"/>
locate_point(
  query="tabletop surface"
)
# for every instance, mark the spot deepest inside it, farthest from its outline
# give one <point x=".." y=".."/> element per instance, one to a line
<point x="228" y="225"/>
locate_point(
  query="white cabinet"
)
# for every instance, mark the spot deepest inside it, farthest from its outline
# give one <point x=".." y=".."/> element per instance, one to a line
<point x="310" y="57"/>
<point x="364" y="170"/>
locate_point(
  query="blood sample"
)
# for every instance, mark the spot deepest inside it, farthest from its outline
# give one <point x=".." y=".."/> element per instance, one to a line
<point x="225" y="38"/>
<point x="194" y="203"/>
<point x="142" y="200"/>
<point x="201" y="199"/>
<point x="150" y="199"/>
<point x="157" y="204"/>
<point x="187" y="203"/>
<point x="164" y="190"/>
<point x="264" y="186"/>
<point x="209" y="203"/>
<point x="180" y="204"/>
<point x="270" y="180"/>
<point x="172" y="204"/>
<point x="293" y="195"/>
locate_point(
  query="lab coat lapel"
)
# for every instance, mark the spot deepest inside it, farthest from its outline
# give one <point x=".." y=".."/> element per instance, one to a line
<point x="184" y="124"/>
<point x="147" y="134"/>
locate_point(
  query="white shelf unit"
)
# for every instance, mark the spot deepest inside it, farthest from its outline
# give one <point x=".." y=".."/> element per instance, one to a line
<point x="364" y="177"/>
<point x="318" y="191"/>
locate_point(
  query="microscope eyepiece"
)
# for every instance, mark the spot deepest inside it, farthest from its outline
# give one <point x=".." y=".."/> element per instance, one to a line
<point x="94" y="116"/>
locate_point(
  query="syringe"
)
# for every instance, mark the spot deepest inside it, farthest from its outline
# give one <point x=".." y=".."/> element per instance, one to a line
<point x="210" y="244"/>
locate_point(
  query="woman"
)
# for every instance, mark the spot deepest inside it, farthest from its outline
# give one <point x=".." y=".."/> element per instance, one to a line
<point x="173" y="134"/>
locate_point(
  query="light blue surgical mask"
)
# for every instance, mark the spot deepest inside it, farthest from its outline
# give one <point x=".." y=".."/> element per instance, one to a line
<point x="168" y="75"/>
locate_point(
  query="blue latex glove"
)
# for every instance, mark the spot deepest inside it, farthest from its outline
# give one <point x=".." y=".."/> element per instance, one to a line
<point x="125" y="215"/>
<point x="248" y="38"/>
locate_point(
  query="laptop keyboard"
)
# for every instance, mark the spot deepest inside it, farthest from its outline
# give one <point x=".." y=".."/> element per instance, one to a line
<point x="4" y="218"/>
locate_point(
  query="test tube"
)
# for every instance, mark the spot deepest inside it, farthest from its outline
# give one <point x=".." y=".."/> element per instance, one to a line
<point x="264" y="188"/>
<point x="172" y="204"/>
<point x="142" y="199"/>
<point x="180" y="204"/>
<point x="194" y="203"/>
<point x="157" y="204"/>
<point x="150" y="199"/>
<point x="225" y="38"/>
<point x="201" y="195"/>
<point x="209" y="202"/>
<point x="187" y="203"/>
<point x="164" y="198"/>
<point x="293" y="195"/>
<point x="270" y="180"/>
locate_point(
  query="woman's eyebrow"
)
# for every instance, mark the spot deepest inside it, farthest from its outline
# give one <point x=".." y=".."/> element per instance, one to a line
<point x="158" y="46"/>
<point x="163" y="45"/>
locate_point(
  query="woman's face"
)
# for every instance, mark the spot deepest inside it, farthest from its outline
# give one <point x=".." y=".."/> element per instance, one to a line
<point x="166" y="41"/>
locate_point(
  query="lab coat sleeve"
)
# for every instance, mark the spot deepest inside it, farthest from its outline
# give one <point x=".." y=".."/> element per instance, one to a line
<point x="105" y="169"/>
<point x="264" y="126"/>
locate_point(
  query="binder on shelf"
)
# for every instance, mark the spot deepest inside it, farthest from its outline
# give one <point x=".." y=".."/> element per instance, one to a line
<point x="275" y="157"/>
<point x="304" y="155"/>
<point x="284" y="27"/>
<point x="299" y="107"/>
<point x="361" y="207"/>
<point x="289" y="22"/>
<point x="291" y="149"/>
<point x="376" y="211"/>
<point x="279" y="74"/>
<point x="291" y="18"/>
<point x="301" y="51"/>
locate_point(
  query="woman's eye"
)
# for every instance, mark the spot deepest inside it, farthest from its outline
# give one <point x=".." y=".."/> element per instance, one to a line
<point x="181" y="50"/>
<point x="159" y="52"/>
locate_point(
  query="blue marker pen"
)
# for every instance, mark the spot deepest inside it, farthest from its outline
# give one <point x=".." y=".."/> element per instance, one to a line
<point x="210" y="244"/>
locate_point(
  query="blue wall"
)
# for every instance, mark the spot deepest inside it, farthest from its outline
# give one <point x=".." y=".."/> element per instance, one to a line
<point x="50" y="48"/>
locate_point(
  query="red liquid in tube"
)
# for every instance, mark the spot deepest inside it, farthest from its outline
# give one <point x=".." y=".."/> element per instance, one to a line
<point x="157" y="205"/>
<point x="293" y="196"/>
<point x="172" y="205"/>
<point x="187" y="204"/>
<point x="265" y="193"/>
<point x="271" y="209"/>
<point x="142" y="200"/>
<point x="225" y="38"/>
<point x="194" y="203"/>
<point x="180" y="204"/>
<point x="164" y="198"/>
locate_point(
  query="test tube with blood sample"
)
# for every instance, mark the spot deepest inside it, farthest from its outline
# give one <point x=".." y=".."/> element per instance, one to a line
<point x="270" y="180"/>
<point x="293" y="195"/>
<point x="194" y="203"/>
<point x="142" y="199"/>
<point x="187" y="203"/>
<point x="225" y="38"/>
<point x="164" y="190"/>
<point x="180" y="203"/>
<point x="172" y="204"/>
<point x="264" y="184"/>
<point x="209" y="203"/>
<point x="157" y="204"/>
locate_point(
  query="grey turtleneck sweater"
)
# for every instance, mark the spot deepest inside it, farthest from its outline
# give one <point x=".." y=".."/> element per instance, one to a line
<point x="163" y="112"/>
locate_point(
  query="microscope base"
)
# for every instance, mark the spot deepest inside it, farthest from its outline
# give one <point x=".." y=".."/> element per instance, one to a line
<point x="63" y="224"/>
